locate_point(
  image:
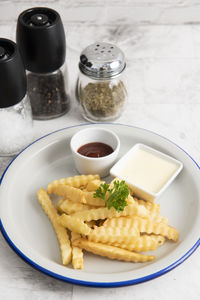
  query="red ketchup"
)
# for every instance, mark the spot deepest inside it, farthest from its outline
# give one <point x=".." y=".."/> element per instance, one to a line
<point x="95" y="150"/>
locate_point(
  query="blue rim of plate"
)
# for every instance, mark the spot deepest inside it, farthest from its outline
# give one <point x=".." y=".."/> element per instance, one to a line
<point x="91" y="283"/>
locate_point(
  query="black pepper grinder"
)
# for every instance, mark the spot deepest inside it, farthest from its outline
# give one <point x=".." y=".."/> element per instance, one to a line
<point x="41" y="40"/>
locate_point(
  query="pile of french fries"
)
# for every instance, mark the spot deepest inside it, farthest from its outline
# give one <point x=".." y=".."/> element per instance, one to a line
<point x="82" y="222"/>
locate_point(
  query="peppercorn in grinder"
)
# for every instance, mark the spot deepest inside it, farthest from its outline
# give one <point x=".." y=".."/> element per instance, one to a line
<point x="41" y="40"/>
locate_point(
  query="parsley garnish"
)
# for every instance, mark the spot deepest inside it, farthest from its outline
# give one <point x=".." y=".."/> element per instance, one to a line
<point x="113" y="197"/>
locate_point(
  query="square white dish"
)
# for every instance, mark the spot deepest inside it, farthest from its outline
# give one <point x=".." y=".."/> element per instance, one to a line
<point x="29" y="233"/>
<point x="147" y="171"/>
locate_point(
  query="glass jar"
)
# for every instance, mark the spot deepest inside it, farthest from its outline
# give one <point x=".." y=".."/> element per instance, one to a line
<point x="16" y="127"/>
<point x="48" y="94"/>
<point x="101" y="85"/>
<point x="41" y="40"/>
<point x="15" y="108"/>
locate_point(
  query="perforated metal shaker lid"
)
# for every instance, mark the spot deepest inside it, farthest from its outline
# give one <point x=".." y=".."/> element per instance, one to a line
<point x="102" y="60"/>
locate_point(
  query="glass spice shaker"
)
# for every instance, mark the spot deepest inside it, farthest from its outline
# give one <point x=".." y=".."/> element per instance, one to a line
<point x="15" y="108"/>
<point x="101" y="85"/>
<point x="41" y="40"/>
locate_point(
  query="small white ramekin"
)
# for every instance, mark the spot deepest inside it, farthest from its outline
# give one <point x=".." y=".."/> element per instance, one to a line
<point x="93" y="165"/>
<point x="138" y="191"/>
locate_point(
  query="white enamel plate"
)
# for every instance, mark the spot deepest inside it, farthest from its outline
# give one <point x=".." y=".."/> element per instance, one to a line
<point x="28" y="231"/>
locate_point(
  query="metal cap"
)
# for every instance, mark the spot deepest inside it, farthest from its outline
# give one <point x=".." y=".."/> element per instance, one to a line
<point x="102" y="60"/>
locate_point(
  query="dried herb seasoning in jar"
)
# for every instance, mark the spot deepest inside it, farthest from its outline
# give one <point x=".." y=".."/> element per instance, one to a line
<point x="41" y="40"/>
<point x="103" y="99"/>
<point x="101" y="86"/>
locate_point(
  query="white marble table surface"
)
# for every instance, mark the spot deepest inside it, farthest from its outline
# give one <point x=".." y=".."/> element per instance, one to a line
<point x="161" y="41"/>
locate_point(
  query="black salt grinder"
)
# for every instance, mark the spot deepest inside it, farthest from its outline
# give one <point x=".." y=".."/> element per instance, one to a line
<point x="41" y="40"/>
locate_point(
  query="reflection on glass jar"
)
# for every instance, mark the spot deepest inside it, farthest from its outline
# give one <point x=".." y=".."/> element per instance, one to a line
<point x="101" y="86"/>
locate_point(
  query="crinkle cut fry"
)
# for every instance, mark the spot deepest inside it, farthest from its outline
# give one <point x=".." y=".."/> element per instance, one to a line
<point x="142" y="243"/>
<point x="77" y="253"/>
<point x="111" y="251"/>
<point x="93" y="185"/>
<point x="152" y="207"/>
<point x="70" y="207"/>
<point x="144" y="225"/>
<point x="77" y="195"/>
<point x="110" y="235"/>
<point x="74" y="224"/>
<point x="76" y="181"/>
<point x="59" y="205"/>
<point x="104" y="212"/>
<point x="60" y="231"/>
<point x="154" y="210"/>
